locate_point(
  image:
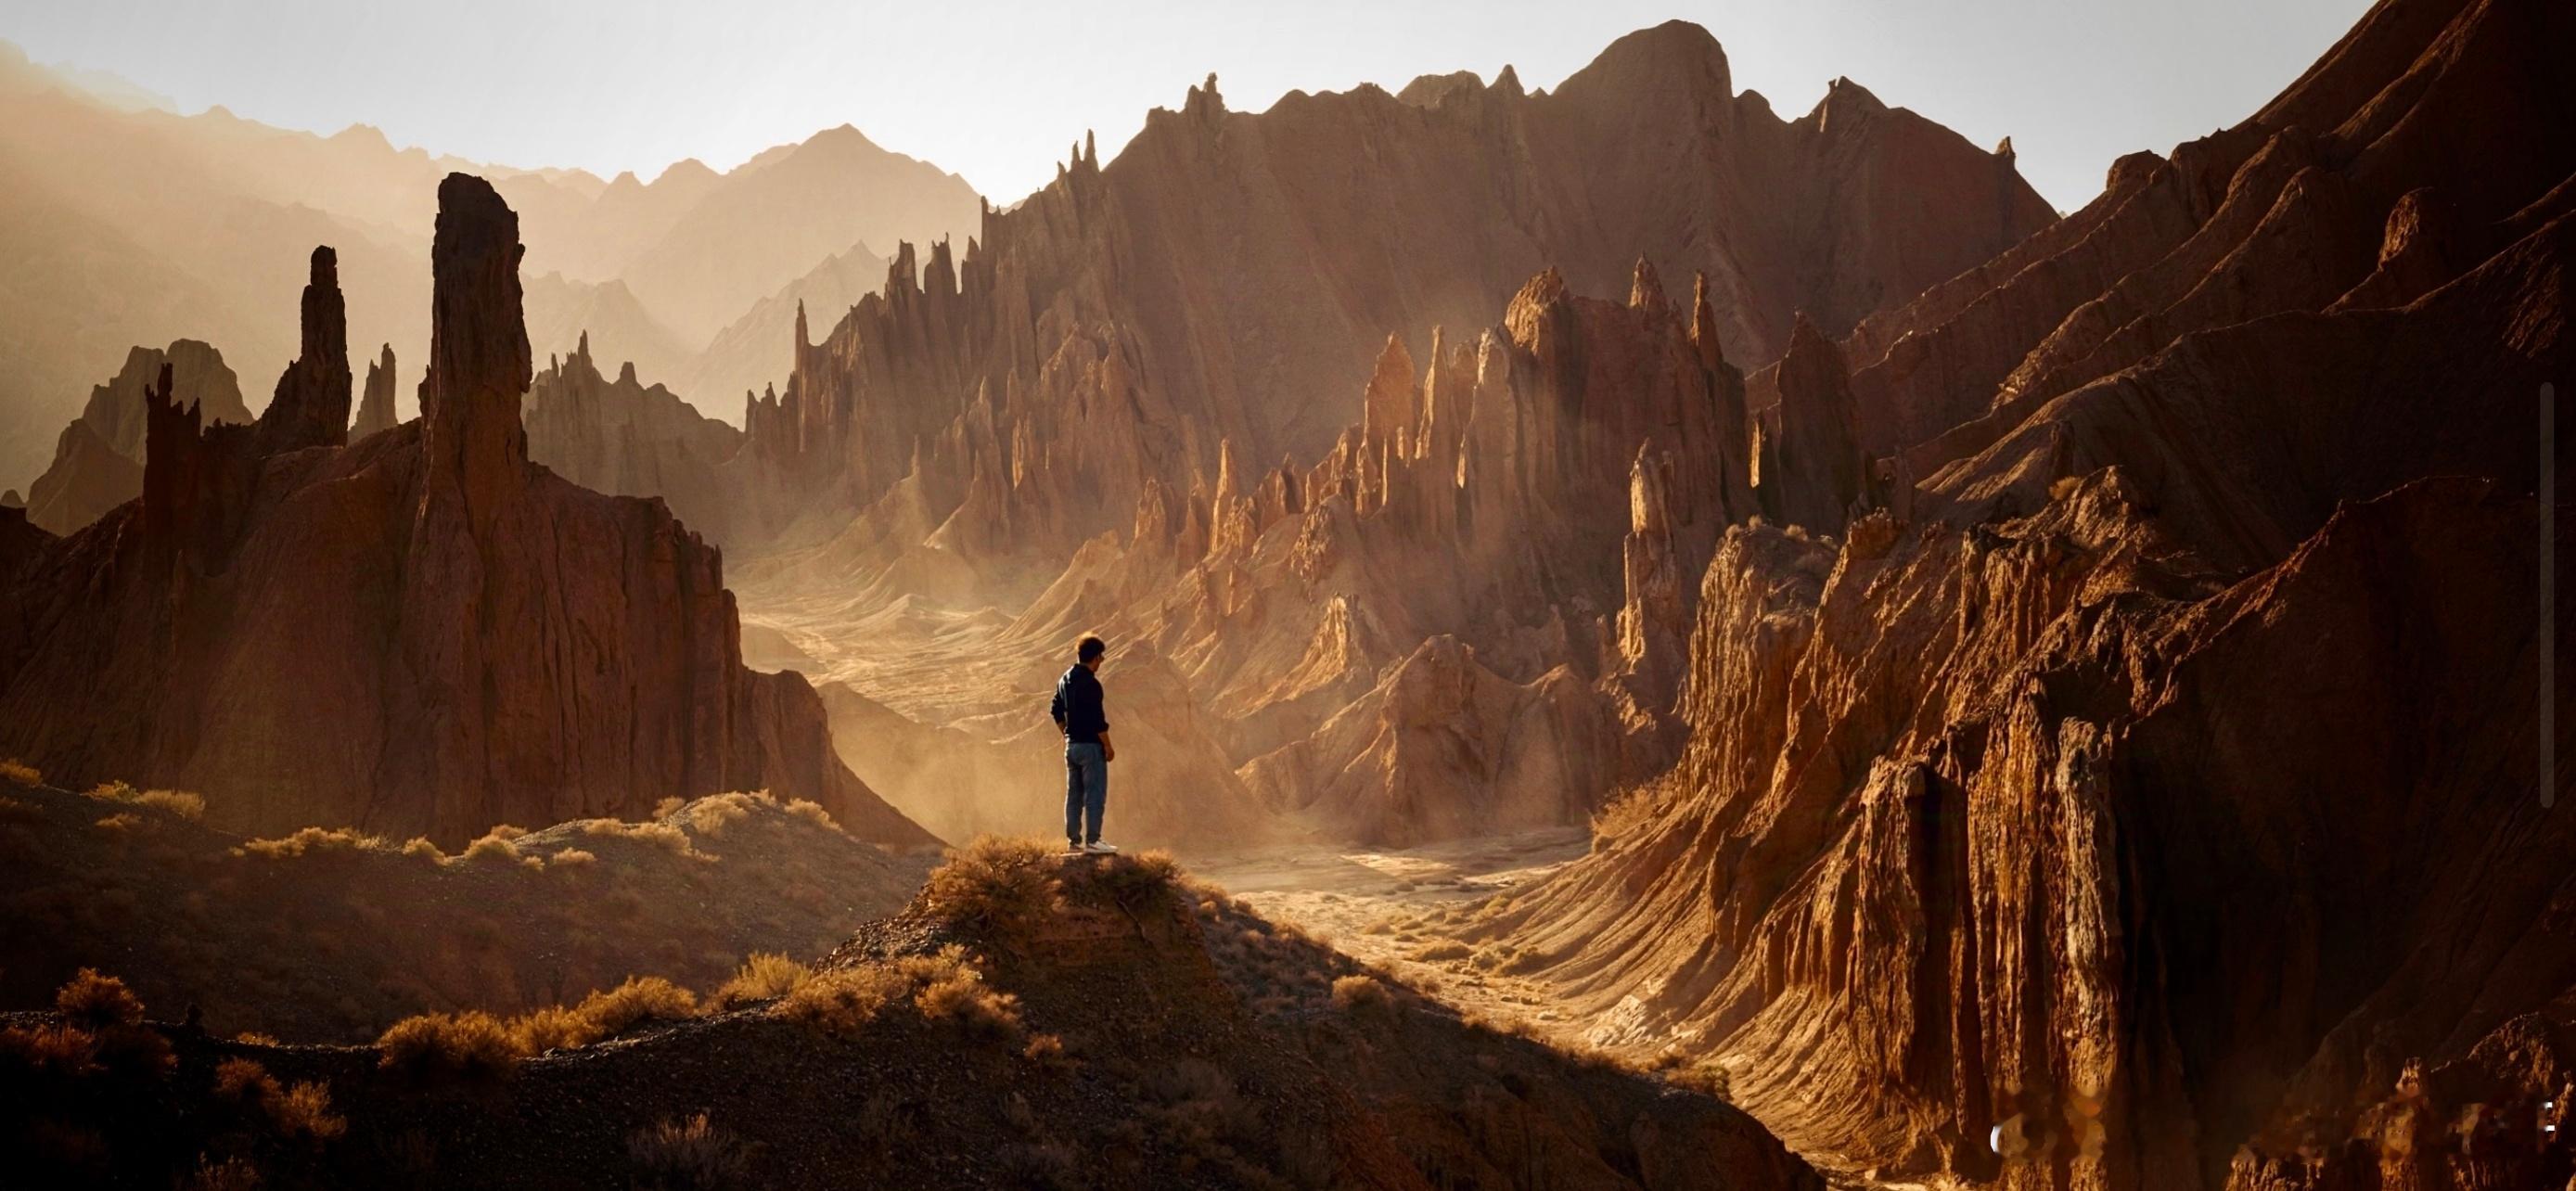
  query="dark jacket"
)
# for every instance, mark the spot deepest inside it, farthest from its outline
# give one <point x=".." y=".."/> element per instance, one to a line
<point x="1077" y="706"/>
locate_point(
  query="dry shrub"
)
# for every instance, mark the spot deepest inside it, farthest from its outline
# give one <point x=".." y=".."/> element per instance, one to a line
<point x="1135" y="878"/>
<point x="1704" y="1076"/>
<point x="1357" y="993"/>
<point x="640" y="999"/>
<point x="186" y="805"/>
<point x="1046" y="1053"/>
<point x="58" y="1051"/>
<point x="572" y="858"/>
<point x="1443" y="952"/>
<point x="493" y="847"/>
<point x="255" y="1038"/>
<point x="472" y="1043"/>
<point x="840" y="1003"/>
<point x="602" y="1015"/>
<point x="420" y="847"/>
<point x="120" y="823"/>
<point x="243" y="1079"/>
<point x="551" y="1028"/>
<point x="302" y="1112"/>
<point x="810" y="810"/>
<point x="231" y="1174"/>
<point x="964" y="1000"/>
<point x="312" y="841"/>
<point x="692" y="1155"/>
<point x="765" y="976"/>
<point x="92" y="1001"/>
<point x="667" y="807"/>
<point x="712" y="814"/>
<point x="1006" y="885"/>
<point x="20" y="773"/>
<point x="660" y="834"/>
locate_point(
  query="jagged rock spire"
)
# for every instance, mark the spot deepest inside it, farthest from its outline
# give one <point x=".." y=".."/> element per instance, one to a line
<point x="310" y="407"/>
<point x="1822" y="471"/>
<point x="376" y="399"/>
<point x="478" y="346"/>
<point x="1389" y="404"/>
<point x="1703" y="328"/>
<point x="1646" y="290"/>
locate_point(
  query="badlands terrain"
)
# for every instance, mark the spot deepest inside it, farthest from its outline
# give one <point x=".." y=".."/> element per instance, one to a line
<point x="1653" y="642"/>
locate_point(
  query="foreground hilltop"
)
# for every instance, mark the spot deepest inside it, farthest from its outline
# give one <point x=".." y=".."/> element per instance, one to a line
<point x="331" y="935"/>
<point x="421" y="633"/>
<point x="1021" y="1024"/>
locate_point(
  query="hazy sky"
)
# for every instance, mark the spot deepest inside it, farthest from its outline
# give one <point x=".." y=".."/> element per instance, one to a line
<point x="996" y="92"/>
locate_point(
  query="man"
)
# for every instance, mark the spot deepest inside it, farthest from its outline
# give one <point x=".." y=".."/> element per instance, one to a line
<point x="1087" y="751"/>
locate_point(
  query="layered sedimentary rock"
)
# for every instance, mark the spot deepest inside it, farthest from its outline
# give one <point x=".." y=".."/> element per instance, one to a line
<point x="474" y="640"/>
<point x="622" y="438"/>
<point x="2150" y="796"/>
<point x="98" y="462"/>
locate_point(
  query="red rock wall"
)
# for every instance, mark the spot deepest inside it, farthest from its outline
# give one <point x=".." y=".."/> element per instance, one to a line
<point x="421" y="632"/>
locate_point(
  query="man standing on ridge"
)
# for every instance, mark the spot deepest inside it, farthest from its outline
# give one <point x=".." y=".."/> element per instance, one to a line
<point x="1087" y="751"/>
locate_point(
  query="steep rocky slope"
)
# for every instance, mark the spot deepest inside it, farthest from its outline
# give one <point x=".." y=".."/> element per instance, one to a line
<point x="1013" y="1028"/>
<point x="2150" y="795"/>
<point x="476" y="640"/>
<point x="1232" y="276"/>
<point x="755" y="352"/>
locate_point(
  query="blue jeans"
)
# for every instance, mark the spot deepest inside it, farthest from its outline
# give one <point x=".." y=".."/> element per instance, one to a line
<point x="1086" y="791"/>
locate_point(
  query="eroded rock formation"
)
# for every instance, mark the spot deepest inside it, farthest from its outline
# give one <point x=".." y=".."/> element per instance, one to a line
<point x="420" y="632"/>
<point x="2150" y="796"/>
<point x="628" y="440"/>
<point x="98" y="462"/>
<point x="1094" y="337"/>
<point x="376" y="400"/>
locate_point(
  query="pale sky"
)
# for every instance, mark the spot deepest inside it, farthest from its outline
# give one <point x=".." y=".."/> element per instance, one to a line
<point x="997" y="92"/>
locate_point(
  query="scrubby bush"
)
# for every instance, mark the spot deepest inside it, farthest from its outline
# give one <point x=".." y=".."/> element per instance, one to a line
<point x="712" y="814"/>
<point x="20" y="773"/>
<point x="842" y="1002"/>
<point x="93" y="1002"/>
<point x="963" y="999"/>
<point x="1046" y="1053"/>
<point x="1361" y="992"/>
<point x="58" y="1051"/>
<point x="765" y="976"/>
<point x="1005" y="885"/>
<point x="301" y="1113"/>
<point x="494" y="847"/>
<point x="1135" y="878"/>
<point x="640" y="999"/>
<point x="312" y="841"/>
<point x="694" y="1154"/>
<point x="808" y="809"/>
<point x="572" y="858"/>
<point x="472" y="1043"/>
<point x="600" y="1015"/>
<point x="186" y="805"/>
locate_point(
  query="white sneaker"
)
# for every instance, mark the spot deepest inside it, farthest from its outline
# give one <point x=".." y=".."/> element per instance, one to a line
<point x="1097" y="848"/>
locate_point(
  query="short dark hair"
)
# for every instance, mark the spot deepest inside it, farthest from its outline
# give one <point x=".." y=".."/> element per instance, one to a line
<point x="1090" y="648"/>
